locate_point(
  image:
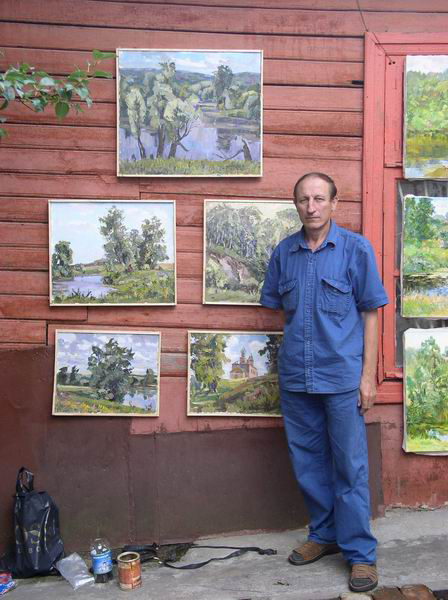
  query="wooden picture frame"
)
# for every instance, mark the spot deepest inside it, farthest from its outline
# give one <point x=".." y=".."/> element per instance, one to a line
<point x="189" y="113"/>
<point x="112" y="253"/>
<point x="106" y="373"/>
<point x="239" y="237"/>
<point x="228" y="375"/>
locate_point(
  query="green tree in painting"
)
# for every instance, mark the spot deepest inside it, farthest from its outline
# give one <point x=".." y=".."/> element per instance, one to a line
<point x="419" y="217"/>
<point x="62" y="261"/>
<point x="152" y="249"/>
<point x="62" y="375"/>
<point x="111" y="370"/>
<point x="136" y="114"/>
<point x="222" y="80"/>
<point x="118" y="246"/>
<point x="270" y="350"/>
<point x="207" y="359"/>
<point x="73" y="377"/>
<point x="150" y="378"/>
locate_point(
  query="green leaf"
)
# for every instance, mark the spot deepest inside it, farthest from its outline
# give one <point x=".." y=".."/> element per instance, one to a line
<point x="82" y="92"/>
<point x="47" y="81"/>
<point x="2" y="133"/>
<point x="98" y="55"/>
<point x="61" y="109"/>
<point x="41" y="74"/>
<point x="5" y="104"/>
<point x="89" y="101"/>
<point x="78" y="74"/>
<point x="106" y="74"/>
<point x="10" y="93"/>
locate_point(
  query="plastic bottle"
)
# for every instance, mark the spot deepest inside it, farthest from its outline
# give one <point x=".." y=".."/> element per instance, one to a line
<point x="101" y="556"/>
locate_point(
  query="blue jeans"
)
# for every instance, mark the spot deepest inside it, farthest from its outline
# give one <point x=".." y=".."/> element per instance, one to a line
<point x="328" y="449"/>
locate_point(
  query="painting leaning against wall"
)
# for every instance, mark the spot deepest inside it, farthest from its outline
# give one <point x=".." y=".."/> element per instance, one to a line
<point x="425" y="143"/>
<point x="106" y="373"/>
<point x="112" y="253"/>
<point x="424" y="257"/>
<point x="426" y="390"/>
<point x="239" y="237"/>
<point x="195" y="113"/>
<point x="233" y="373"/>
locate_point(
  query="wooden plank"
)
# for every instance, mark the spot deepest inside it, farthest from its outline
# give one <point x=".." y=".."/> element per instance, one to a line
<point x="37" y="307"/>
<point x="188" y="239"/>
<point x="68" y="186"/>
<point x="33" y="35"/>
<point x="68" y="162"/>
<point x="172" y="339"/>
<point x="311" y="122"/>
<point x="222" y="19"/>
<point x="32" y="332"/>
<point x="278" y="71"/>
<point x="191" y="316"/>
<point x="24" y="259"/>
<point x="60" y="136"/>
<point x="189" y="291"/>
<point x="24" y="209"/>
<point x="24" y="282"/>
<point x="23" y="234"/>
<point x="173" y="364"/>
<point x="312" y="146"/>
<point x="279" y="177"/>
<point x="186" y="18"/>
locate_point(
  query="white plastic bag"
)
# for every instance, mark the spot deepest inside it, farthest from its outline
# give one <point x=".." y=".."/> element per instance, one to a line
<point x="74" y="570"/>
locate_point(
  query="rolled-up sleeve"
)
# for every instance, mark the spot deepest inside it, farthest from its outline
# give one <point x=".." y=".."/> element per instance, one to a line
<point x="368" y="289"/>
<point x="269" y="292"/>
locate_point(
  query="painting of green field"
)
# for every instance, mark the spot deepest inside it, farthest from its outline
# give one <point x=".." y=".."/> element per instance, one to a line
<point x="425" y="144"/>
<point x="426" y="390"/>
<point x="195" y="113"/>
<point x="424" y="259"/>
<point x="233" y="374"/>
<point x="104" y="252"/>
<point x="105" y="373"/>
<point x="239" y="237"/>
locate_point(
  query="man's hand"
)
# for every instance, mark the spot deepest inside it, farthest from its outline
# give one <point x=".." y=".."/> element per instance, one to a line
<point x="367" y="394"/>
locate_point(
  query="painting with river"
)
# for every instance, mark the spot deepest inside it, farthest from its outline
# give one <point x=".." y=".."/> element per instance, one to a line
<point x="425" y="143"/>
<point x="424" y="259"/>
<point x="104" y="252"/>
<point x="425" y="390"/>
<point x="106" y="373"/>
<point x="189" y="113"/>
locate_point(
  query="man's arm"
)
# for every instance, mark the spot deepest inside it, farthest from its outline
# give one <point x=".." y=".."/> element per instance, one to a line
<point x="367" y="387"/>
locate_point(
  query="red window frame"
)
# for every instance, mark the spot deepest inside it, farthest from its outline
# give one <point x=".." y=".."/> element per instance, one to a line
<point x="382" y="168"/>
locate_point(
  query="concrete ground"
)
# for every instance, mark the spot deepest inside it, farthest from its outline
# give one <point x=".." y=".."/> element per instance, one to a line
<point x="413" y="548"/>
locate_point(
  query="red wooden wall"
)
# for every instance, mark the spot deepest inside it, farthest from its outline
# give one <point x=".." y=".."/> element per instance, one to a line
<point x="313" y="120"/>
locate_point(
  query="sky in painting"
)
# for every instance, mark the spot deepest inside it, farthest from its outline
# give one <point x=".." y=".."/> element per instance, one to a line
<point x="78" y="223"/>
<point x="74" y="348"/>
<point x="268" y="209"/>
<point x="440" y="204"/>
<point x="413" y="338"/>
<point x="427" y="64"/>
<point x="206" y="62"/>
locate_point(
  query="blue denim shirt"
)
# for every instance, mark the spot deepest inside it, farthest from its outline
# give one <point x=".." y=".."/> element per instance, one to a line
<point x="323" y="294"/>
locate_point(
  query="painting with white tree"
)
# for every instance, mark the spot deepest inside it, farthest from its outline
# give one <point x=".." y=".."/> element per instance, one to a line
<point x="239" y="237"/>
<point x="112" y="253"/>
<point x="233" y="373"/>
<point x="195" y="113"/>
<point x="106" y="373"/>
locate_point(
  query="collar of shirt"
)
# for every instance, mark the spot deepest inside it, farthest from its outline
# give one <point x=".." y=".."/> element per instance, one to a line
<point x="331" y="238"/>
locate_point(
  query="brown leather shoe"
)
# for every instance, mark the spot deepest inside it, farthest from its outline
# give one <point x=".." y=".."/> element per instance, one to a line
<point x="363" y="577"/>
<point x="310" y="552"/>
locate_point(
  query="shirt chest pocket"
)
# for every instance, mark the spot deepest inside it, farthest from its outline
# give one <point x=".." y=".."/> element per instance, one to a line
<point x="335" y="297"/>
<point x="289" y="293"/>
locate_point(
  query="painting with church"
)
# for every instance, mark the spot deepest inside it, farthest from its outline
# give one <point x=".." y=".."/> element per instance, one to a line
<point x="233" y="373"/>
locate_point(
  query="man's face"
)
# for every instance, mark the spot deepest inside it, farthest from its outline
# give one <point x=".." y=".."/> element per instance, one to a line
<point x="313" y="203"/>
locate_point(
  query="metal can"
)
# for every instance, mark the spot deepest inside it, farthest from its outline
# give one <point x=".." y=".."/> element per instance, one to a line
<point x="129" y="570"/>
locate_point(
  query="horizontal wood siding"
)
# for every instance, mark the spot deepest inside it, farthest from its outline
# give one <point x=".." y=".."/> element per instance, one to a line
<point x="313" y="98"/>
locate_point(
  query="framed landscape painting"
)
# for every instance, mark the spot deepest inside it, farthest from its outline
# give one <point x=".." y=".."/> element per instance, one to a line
<point x="425" y="117"/>
<point x="112" y="253"/>
<point x="424" y="257"/>
<point x="233" y="374"/>
<point x="106" y="373"/>
<point x="425" y="390"/>
<point x="239" y="237"/>
<point x="194" y="113"/>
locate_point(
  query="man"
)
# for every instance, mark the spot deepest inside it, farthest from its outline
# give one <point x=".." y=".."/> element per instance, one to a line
<point x="325" y="280"/>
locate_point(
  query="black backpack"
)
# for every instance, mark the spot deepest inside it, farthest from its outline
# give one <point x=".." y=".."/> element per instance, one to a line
<point x="38" y="544"/>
